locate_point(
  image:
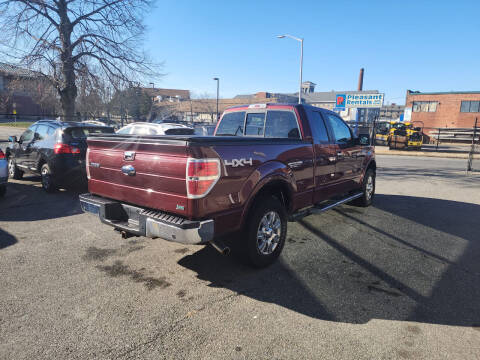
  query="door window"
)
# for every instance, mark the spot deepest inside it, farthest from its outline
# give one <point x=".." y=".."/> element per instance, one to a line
<point x="125" y="130"/>
<point x="41" y="131"/>
<point x="341" y="131"/>
<point x="231" y="124"/>
<point x="255" y="124"/>
<point x="319" y="131"/>
<point x="27" y="136"/>
<point x="281" y="124"/>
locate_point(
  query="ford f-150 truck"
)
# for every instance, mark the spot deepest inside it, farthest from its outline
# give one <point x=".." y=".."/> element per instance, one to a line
<point x="266" y="164"/>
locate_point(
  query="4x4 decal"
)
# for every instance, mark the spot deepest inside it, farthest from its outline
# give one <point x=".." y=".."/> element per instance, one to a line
<point x="239" y="162"/>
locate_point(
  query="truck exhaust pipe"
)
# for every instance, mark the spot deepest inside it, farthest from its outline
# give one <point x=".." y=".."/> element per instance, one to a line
<point x="220" y="247"/>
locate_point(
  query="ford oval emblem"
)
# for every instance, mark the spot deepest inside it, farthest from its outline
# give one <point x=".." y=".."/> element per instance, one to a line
<point x="128" y="170"/>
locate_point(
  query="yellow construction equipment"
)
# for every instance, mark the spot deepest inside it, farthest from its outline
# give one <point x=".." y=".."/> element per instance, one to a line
<point x="404" y="135"/>
<point x="382" y="132"/>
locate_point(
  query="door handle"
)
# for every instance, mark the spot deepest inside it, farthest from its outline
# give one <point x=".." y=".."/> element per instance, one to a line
<point x="295" y="164"/>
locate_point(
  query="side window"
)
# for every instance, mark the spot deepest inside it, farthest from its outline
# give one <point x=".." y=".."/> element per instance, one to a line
<point x="281" y="124"/>
<point x="124" y="131"/>
<point x="231" y="124"/>
<point x="142" y="130"/>
<point x="41" y="131"/>
<point x="341" y="131"/>
<point x="319" y="130"/>
<point x="27" y="136"/>
<point x="255" y="124"/>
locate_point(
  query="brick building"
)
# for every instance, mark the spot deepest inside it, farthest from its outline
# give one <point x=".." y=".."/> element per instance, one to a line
<point x="25" y="92"/>
<point x="444" y="109"/>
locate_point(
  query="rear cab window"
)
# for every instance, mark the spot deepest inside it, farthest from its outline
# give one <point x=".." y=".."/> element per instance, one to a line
<point x="255" y="124"/>
<point x="281" y="124"/>
<point x="231" y="124"/>
<point x="271" y="123"/>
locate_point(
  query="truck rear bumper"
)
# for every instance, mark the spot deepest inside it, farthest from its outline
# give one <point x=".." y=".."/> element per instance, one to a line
<point x="150" y="223"/>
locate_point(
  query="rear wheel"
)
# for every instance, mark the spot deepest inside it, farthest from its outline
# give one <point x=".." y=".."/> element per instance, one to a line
<point x="368" y="190"/>
<point x="13" y="171"/>
<point x="266" y="231"/>
<point x="48" y="182"/>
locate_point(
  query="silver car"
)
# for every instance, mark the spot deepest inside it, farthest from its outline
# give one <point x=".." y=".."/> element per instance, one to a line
<point x="3" y="173"/>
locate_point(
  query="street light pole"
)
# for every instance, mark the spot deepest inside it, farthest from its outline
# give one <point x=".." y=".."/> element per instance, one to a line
<point x="218" y="88"/>
<point x="301" y="61"/>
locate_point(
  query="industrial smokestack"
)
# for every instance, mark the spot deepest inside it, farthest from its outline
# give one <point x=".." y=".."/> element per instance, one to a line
<point x="360" y="80"/>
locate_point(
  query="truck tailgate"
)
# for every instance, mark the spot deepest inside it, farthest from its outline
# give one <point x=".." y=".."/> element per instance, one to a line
<point x="153" y="173"/>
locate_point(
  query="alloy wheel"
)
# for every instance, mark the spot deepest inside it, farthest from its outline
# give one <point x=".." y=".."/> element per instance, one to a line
<point x="268" y="233"/>
<point x="369" y="187"/>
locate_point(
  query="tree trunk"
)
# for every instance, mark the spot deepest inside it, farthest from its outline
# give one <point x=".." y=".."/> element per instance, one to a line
<point x="67" y="99"/>
<point x="68" y="88"/>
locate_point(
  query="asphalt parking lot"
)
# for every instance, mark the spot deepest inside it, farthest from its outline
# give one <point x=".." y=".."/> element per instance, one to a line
<point x="399" y="280"/>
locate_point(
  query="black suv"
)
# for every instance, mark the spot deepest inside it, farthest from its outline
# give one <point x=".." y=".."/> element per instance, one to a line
<point x="53" y="149"/>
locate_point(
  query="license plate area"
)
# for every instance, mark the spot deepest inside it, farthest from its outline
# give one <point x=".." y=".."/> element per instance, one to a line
<point x="91" y="208"/>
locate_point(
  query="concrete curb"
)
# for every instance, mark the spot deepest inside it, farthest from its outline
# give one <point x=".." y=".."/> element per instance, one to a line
<point x="421" y="153"/>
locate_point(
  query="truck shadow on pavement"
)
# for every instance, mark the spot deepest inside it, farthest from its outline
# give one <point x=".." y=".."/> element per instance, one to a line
<point x="405" y="258"/>
<point x="6" y="239"/>
<point x="25" y="200"/>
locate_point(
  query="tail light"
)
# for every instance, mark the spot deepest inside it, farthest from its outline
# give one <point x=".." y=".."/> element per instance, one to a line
<point x="202" y="175"/>
<point x="2" y="155"/>
<point x="65" y="149"/>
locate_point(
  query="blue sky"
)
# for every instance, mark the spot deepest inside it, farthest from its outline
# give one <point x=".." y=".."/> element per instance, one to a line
<point x="418" y="45"/>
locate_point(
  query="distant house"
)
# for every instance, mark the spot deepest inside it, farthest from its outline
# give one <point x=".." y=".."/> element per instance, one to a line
<point x="25" y="93"/>
<point x="172" y="95"/>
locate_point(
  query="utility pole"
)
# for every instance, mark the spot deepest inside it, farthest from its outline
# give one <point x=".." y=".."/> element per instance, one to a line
<point x="470" y="156"/>
<point x="301" y="62"/>
<point x="218" y="88"/>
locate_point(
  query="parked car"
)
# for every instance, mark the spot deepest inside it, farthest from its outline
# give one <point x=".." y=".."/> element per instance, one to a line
<point x="205" y="130"/>
<point x="3" y="173"/>
<point x="144" y="128"/>
<point x="103" y="122"/>
<point x="53" y="149"/>
<point x="266" y="165"/>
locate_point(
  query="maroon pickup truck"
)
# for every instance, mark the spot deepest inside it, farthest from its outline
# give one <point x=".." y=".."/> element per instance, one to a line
<point x="264" y="166"/>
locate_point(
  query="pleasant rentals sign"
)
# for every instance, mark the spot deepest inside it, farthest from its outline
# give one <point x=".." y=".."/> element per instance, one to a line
<point x="363" y="100"/>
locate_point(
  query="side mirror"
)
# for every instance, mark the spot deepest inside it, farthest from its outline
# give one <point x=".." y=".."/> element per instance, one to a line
<point x="363" y="139"/>
<point x="12" y="139"/>
<point x="36" y="136"/>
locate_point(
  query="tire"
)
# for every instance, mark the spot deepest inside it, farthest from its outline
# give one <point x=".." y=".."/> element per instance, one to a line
<point x="13" y="171"/>
<point x="368" y="190"/>
<point x="3" y="190"/>
<point x="48" y="182"/>
<point x="269" y="220"/>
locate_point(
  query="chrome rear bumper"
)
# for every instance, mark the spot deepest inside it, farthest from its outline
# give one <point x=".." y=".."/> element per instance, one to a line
<point x="150" y="223"/>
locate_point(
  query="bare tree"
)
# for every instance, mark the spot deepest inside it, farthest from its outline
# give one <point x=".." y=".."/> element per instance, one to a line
<point x="97" y="40"/>
<point x="205" y="103"/>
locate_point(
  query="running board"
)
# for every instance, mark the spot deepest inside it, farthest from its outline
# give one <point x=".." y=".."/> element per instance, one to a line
<point x="317" y="209"/>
